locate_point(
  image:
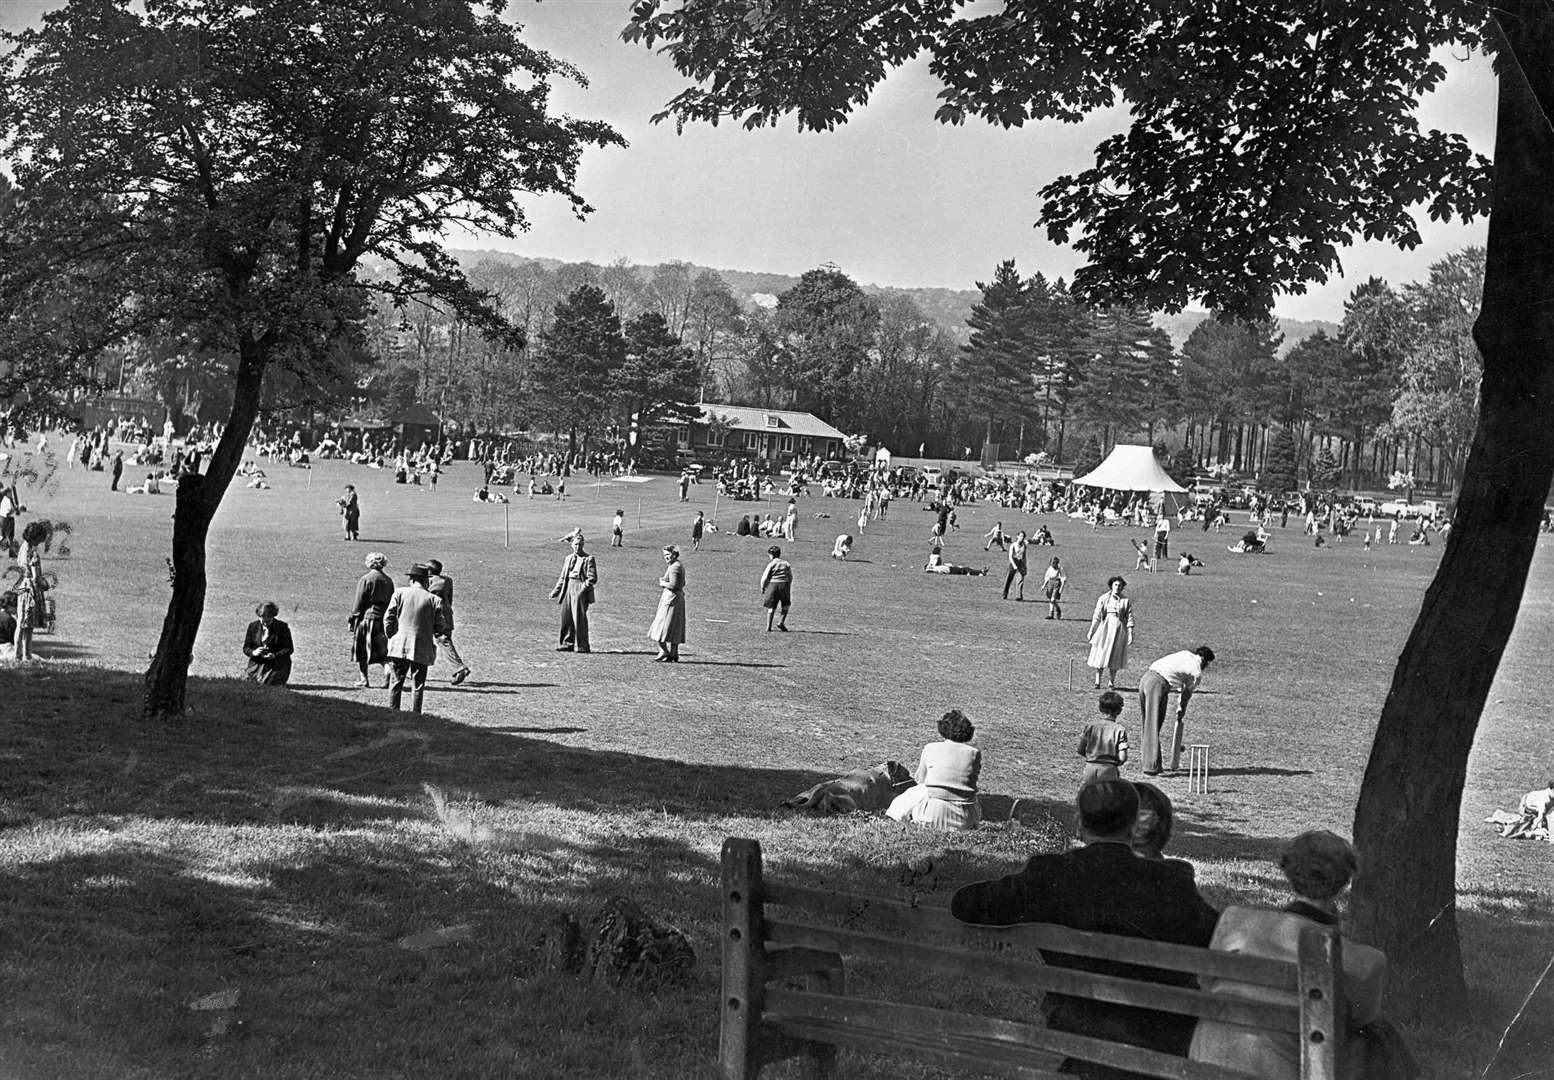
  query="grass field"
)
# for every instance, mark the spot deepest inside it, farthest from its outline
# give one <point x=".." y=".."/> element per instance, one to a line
<point x="281" y="844"/>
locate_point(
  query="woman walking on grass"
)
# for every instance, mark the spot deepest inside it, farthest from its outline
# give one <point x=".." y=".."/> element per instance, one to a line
<point x="668" y="629"/>
<point x="1111" y="632"/>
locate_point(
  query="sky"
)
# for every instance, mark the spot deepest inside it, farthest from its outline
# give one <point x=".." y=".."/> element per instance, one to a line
<point x="891" y="198"/>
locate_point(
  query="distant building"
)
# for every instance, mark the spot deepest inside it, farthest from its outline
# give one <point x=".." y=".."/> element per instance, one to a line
<point x="775" y="436"/>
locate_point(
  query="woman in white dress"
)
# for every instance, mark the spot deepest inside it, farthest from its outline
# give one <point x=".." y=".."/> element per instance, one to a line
<point x="668" y="629"/>
<point x="1111" y="632"/>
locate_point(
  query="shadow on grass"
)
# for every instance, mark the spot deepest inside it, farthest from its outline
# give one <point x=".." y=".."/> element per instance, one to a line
<point x="48" y="648"/>
<point x="284" y="848"/>
<point x="538" y="730"/>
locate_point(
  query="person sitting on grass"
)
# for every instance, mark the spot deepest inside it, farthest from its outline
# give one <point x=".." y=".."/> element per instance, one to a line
<point x="1043" y="537"/>
<point x="1104" y="742"/>
<point x="843" y="546"/>
<point x="1318" y="866"/>
<point x="937" y="565"/>
<point x="1186" y="563"/>
<point x="7" y="625"/>
<point x="945" y="796"/>
<point x="1534" y="816"/>
<point x="1252" y="543"/>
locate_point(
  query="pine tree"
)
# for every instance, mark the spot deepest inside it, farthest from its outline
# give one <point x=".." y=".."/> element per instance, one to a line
<point x="580" y="350"/>
<point x="991" y="380"/>
<point x="1279" y="473"/>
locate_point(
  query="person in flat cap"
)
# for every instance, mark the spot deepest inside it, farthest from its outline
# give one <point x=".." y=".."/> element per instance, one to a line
<point x="412" y="621"/>
<point x="267" y="644"/>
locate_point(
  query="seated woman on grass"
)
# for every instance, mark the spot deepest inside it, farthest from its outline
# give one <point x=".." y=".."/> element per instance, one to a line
<point x="945" y="796"/>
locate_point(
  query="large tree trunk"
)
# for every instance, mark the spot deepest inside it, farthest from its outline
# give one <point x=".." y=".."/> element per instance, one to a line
<point x="198" y="499"/>
<point x="1406" y="821"/>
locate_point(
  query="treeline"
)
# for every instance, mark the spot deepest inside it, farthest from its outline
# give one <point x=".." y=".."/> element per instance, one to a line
<point x="1394" y="392"/>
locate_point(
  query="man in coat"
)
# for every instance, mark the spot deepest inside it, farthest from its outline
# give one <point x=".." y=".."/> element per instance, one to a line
<point x="268" y="646"/>
<point x="441" y="586"/>
<point x="413" y="620"/>
<point x="1105" y="888"/>
<point x="574" y="591"/>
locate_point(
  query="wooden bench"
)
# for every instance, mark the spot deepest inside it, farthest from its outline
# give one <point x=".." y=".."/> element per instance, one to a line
<point x="763" y="1020"/>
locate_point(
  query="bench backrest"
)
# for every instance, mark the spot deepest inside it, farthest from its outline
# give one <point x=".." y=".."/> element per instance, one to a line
<point x="811" y="929"/>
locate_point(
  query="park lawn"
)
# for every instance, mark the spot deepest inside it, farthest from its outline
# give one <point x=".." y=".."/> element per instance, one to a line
<point x="282" y="843"/>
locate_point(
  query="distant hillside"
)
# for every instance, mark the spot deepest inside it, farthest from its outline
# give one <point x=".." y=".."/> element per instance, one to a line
<point x="948" y="307"/>
<point x="1181" y="325"/>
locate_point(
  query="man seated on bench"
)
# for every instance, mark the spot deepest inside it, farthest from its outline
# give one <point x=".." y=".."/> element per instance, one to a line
<point x="1105" y="888"/>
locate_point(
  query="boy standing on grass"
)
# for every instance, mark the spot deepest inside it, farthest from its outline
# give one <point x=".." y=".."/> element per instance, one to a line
<point x="697" y="526"/>
<point x="1104" y="742"/>
<point x="616" y="528"/>
<point x="777" y="589"/>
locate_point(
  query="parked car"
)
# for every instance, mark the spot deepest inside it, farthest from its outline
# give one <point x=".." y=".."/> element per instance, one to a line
<point x="1365" y="504"/>
<point x="1397" y="507"/>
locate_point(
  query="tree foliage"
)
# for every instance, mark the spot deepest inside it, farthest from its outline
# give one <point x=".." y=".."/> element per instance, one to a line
<point x="1260" y="139"/>
<point x="1234" y="179"/>
<point x="227" y="165"/>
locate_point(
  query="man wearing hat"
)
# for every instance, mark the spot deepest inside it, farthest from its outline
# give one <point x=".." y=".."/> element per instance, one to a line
<point x="413" y="620"/>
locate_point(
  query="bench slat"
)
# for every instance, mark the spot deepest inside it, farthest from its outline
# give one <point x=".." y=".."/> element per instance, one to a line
<point x="980" y="1043"/>
<point x="1030" y="974"/>
<point x="898" y="915"/>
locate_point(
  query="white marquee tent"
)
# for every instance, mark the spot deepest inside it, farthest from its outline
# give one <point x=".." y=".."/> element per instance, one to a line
<point x="1133" y="468"/>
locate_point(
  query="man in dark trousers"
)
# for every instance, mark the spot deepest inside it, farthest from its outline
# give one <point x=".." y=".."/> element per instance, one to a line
<point x="118" y="469"/>
<point x="441" y="586"/>
<point x="413" y="620"/>
<point x="1103" y="887"/>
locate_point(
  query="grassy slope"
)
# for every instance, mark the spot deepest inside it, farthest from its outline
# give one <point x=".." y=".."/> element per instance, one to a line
<point x="278" y="846"/>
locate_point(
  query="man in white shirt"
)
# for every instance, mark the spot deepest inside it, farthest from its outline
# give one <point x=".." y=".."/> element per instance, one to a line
<point x="1163" y="535"/>
<point x="1182" y="672"/>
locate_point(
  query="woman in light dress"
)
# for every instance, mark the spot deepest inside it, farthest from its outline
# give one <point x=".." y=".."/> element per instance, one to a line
<point x="1111" y="632"/>
<point x="668" y="629"/>
<point x="945" y="796"/>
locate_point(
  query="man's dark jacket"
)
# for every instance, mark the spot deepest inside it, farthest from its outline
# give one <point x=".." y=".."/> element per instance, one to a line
<point x="1103" y="888"/>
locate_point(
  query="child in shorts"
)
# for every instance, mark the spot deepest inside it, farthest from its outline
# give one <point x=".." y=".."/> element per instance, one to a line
<point x="1104" y="742"/>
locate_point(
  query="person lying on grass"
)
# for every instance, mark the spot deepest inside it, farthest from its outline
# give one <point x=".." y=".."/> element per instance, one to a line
<point x="937" y="565"/>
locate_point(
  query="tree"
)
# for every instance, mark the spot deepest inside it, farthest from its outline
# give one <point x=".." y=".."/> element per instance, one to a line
<point x="1438" y="379"/>
<point x="656" y="381"/>
<point x="1323" y="471"/>
<point x="227" y="165"/>
<point x="825" y="325"/>
<point x="1279" y="472"/>
<point x="991" y="380"/>
<point x="1129" y="369"/>
<point x="1250" y="156"/>
<point x="1344" y="392"/>
<point x="1090" y="457"/>
<point x="580" y="352"/>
